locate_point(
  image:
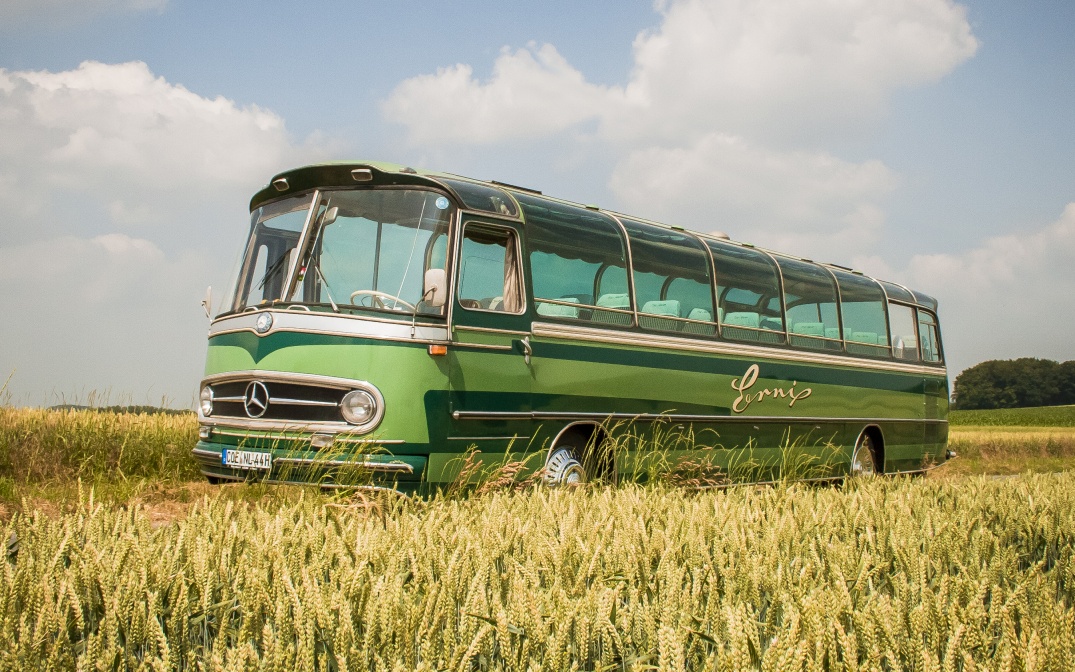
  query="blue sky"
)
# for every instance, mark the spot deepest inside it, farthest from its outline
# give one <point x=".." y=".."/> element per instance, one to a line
<point x="925" y="141"/>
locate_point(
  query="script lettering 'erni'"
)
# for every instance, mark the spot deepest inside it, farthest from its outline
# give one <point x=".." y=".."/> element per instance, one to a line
<point x="746" y="398"/>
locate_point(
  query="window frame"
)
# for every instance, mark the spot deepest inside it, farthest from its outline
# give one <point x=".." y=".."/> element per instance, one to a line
<point x="914" y="320"/>
<point x="519" y="275"/>
<point x="919" y="310"/>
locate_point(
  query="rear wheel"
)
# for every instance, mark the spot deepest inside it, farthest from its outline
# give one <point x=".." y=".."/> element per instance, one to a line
<point x="563" y="467"/>
<point x="864" y="462"/>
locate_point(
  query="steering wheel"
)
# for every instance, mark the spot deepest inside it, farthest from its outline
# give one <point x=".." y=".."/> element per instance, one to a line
<point x="378" y="299"/>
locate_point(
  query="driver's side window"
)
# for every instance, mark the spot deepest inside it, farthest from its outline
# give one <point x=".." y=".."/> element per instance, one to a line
<point x="489" y="269"/>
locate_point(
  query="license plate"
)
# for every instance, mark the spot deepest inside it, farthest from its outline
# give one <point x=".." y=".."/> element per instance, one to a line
<point x="246" y="459"/>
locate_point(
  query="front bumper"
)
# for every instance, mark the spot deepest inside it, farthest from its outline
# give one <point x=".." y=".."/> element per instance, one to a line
<point x="329" y="468"/>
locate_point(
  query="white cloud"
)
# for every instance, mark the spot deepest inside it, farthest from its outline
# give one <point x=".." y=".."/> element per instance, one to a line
<point x="725" y="114"/>
<point x="117" y="130"/>
<point x="804" y="200"/>
<point x="112" y="147"/>
<point x="122" y="196"/>
<point x="785" y="68"/>
<point x="62" y="13"/>
<point x="1008" y="297"/>
<point x="1045" y="257"/>
<point x="791" y="69"/>
<point x="533" y="93"/>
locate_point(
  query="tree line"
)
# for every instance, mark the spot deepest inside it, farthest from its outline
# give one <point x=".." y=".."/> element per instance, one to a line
<point x="1015" y="383"/>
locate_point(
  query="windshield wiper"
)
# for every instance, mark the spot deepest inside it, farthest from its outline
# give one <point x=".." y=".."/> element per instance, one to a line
<point x="273" y="269"/>
<point x="328" y="290"/>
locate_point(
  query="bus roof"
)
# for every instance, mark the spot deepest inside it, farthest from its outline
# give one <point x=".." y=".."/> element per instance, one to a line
<point x="353" y="173"/>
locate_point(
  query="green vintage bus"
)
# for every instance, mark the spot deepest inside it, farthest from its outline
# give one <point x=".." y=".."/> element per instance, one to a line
<point x="395" y="319"/>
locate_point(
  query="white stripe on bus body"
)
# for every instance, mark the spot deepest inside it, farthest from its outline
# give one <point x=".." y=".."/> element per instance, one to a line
<point x="332" y="324"/>
<point x="636" y="338"/>
<point x="680" y="417"/>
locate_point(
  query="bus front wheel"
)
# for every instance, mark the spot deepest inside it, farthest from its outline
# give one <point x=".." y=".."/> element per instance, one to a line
<point x="564" y="468"/>
<point x="864" y="462"/>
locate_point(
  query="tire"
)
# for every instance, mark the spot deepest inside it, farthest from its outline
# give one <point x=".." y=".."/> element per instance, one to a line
<point x="864" y="461"/>
<point x="563" y="468"/>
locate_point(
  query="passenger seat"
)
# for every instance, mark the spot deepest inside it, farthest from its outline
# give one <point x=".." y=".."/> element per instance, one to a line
<point x="650" y="308"/>
<point x="618" y="301"/>
<point x="701" y="315"/>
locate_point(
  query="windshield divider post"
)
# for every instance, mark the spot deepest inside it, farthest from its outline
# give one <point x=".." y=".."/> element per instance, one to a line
<point x="377" y="254"/>
<point x="300" y="248"/>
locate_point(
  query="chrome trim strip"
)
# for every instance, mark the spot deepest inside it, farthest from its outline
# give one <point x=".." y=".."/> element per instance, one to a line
<point x="634" y="338"/>
<point x="284" y="436"/>
<point x="488" y="438"/>
<point x="482" y="346"/>
<point x="280" y="427"/>
<point x="487" y="330"/>
<point x="323" y="486"/>
<point x="401" y="467"/>
<point x="674" y="417"/>
<point x="332" y="324"/>
<point x="359" y="439"/>
<point x="284" y="401"/>
<point x="301" y="402"/>
<point x="285" y="377"/>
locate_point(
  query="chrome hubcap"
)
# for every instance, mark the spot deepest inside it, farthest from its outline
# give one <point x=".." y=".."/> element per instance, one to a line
<point x="563" y="469"/>
<point x="863" y="463"/>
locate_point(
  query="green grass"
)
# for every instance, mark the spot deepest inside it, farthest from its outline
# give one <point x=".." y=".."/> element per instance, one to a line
<point x="49" y="445"/>
<point x="1010" y="450"/>
<point x="1046" y="416"/>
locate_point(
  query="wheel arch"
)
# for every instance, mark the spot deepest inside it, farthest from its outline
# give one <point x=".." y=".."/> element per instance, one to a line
<point x="591" y="440"/>
<point x="877" y="444"/>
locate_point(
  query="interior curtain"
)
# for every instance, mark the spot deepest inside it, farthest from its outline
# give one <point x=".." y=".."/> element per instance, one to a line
<point x="513" y="300"/>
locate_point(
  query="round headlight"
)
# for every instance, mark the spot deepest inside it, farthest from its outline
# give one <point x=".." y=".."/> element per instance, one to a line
<point x="358" y="407"/>
<point x="207" y="401"/>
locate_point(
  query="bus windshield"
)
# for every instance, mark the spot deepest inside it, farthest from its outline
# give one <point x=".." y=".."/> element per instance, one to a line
<point x="364" y="249"/>
<point x="274" y="233"/>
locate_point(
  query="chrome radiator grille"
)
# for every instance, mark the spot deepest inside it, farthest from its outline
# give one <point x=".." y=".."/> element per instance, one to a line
<point x="274" y="400"/>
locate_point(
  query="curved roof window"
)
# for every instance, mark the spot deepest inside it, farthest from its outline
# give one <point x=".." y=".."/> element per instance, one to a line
<point x="483" y="197"/>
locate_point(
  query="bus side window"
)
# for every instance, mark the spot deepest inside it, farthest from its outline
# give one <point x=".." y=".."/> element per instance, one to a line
<point x="578" y="263"/>
<point x="810" y="305"/>
<point x="489" y="270"/>
<point x="928" y="338"/>
<point x="862" y="307"/>
<point x="901" y="321"/>
<point x="672" y="280"/>
<point x="748" y="294"/>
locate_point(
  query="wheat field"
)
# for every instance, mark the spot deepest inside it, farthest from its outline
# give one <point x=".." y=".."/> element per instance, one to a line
<point x="922" y="574"/>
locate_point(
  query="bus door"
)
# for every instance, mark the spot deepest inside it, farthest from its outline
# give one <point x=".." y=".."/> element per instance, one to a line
<point x="489" y="354"/>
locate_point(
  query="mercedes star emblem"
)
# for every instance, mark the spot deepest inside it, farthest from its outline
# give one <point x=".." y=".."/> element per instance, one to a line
<point x="256" y="399"/>
<point x="263" y="323"/>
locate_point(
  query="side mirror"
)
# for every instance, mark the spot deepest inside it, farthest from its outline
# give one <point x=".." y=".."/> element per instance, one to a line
<point x="207" y="302"/>
<point x="330" y="216"/>
<point x="436" y="289"/>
